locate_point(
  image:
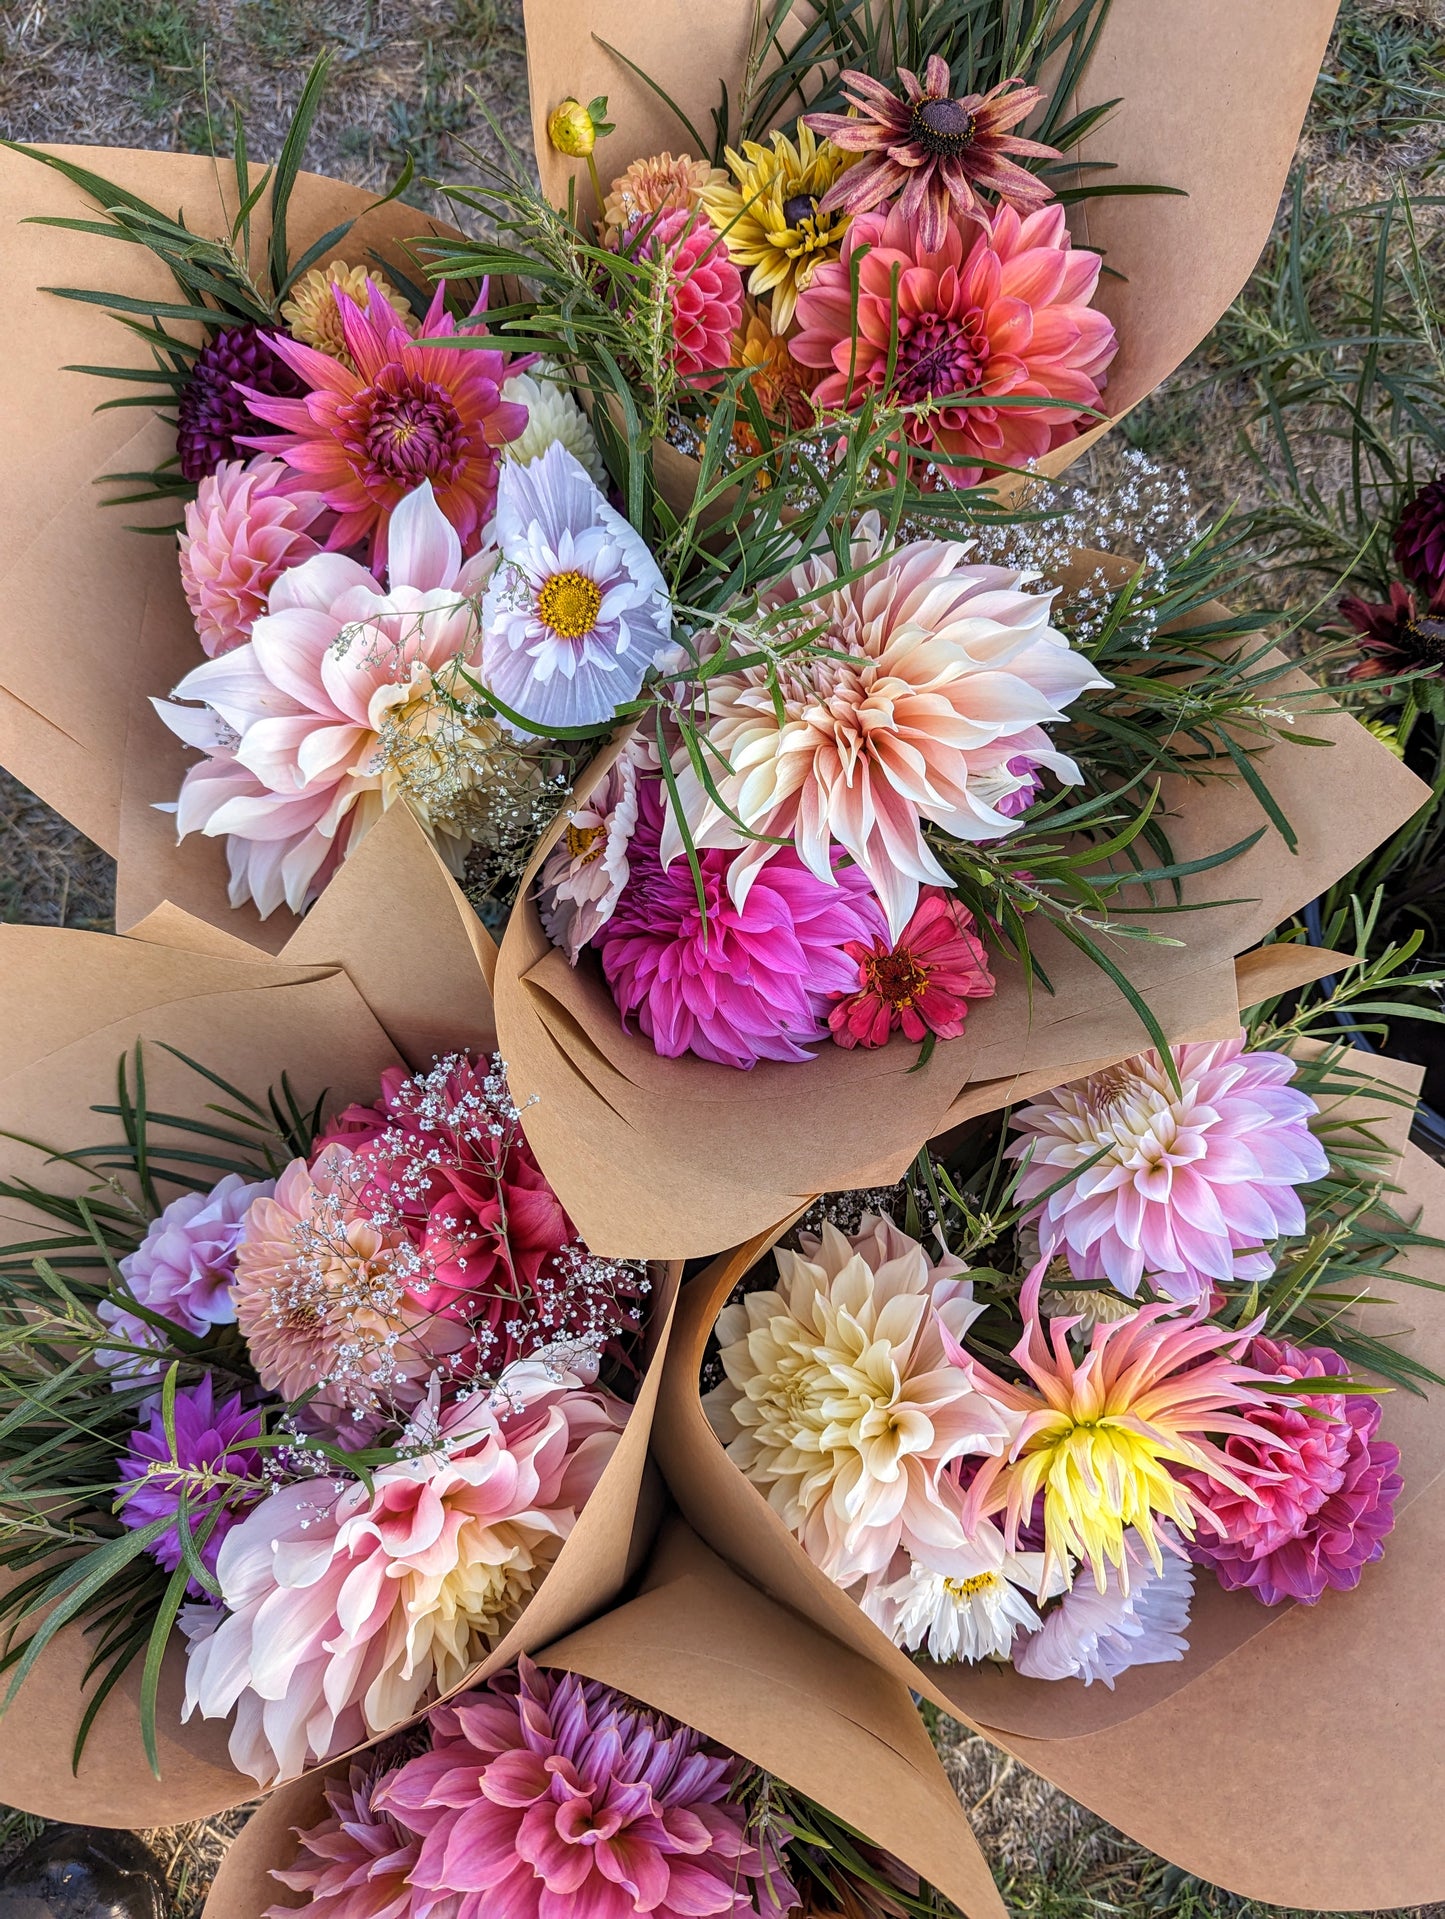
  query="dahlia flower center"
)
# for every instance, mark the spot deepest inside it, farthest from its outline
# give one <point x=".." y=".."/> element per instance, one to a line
<point x="940" y="355"/>
<point x="1426" y="640"/>
<point x="970" y="1588"/>
<point x="895" y="977"/>
<point x="797" y="208"/>
<point x="410" y="431"/>
<point x="943" y="127"/>
<point x="569" y="603"/>
<point x="585" y="843"/>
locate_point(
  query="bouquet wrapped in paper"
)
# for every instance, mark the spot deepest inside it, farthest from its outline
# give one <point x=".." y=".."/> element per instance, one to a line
<point x="699" y="1749"/>
<point x="319" y="1408"/>
<point x="1114" y="1432"/>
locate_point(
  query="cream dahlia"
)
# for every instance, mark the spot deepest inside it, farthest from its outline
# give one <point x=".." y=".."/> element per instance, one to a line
<point x="840" y="1405"/>
<point x="348" y="1607"/>
<point x="951" y="671"/>
<point x="246" y="525"/>
<point x="343" y="697"/>
<point x="313" y="317"/>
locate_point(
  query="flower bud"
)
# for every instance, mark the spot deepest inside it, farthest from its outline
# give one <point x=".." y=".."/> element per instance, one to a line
<point x="571" y="129"/>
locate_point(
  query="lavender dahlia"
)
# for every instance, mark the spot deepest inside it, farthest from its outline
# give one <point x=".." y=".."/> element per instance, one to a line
<point x="547" y="1794"/>
<point x="743" y="983"/>
<point x="215" y="1465"/>
<point x="1193" y="1187"/>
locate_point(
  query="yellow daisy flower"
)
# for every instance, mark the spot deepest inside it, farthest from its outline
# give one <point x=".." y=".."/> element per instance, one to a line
<point x="770" y="219"/>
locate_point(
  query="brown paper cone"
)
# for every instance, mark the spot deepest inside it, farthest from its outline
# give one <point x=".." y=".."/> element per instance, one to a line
<point x="687" y="1156"/>
<point x="1168" y="1754"/>
<point x="93" y="621"/>
<point x="1212" y="95"/>
<point x="700" y="1645"/>
<point x="70" y="1004"/>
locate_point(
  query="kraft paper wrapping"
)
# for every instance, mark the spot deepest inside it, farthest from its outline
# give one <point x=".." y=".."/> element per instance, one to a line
<point x="699" y="1644"/>
<point x="1212" y="95"/>
<point x="70" y="1004"/>
<point x="691" y="1155"/>
<point x="1175" y="1754"/>
<point x="93" y="621"/>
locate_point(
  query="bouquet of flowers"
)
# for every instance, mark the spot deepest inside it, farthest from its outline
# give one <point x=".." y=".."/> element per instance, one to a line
<point x="321" y="1390"/>
<point x="621" y="1782"/>
<point x="1107" y="1385"/>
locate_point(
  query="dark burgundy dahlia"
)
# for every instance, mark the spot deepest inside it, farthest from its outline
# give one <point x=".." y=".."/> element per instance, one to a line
<point x="1420" y="538"/>
<point x="214" y="411"/>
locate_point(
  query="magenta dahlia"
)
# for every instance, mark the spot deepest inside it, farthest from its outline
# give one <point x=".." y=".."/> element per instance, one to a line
<point x="705" y="289"/>
<point x="368" y="433"/>
<point x="741" y="983"/>
<point x="356" y="1863"/>
<point x="216" y="413"/>
<point x="1420" y="538"/>
<point x="546" y="1795"/>
<point x="999" y="311"/>
<point x="1320" y="1489"/>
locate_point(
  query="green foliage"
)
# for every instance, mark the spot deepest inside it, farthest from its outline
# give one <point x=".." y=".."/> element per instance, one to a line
<point x="157" y="38"/>
<point x="1383" y="75"/>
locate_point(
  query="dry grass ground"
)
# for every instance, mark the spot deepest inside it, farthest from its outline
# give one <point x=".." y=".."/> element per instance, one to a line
<point x="423" y="75"/>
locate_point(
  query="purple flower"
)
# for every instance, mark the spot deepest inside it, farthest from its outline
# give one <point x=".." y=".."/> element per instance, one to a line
<point x="751" y="982"/>
<point x="1321" y="1488"/>
<point x="546" y="1794"/>
<point x="184" y="1269"/>
<point x="214" y="1464"/>
<point x="213" y="408"/>
<point x="576" y="611"/>
<point x="1093" y="1635"/>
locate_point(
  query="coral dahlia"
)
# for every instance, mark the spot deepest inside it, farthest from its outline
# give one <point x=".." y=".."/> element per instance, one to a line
<point x="998" y="310"/>
<point x="950" y="670"/>
<point x="547" y="1794"/>
<point x="923" y="982"/>
<point x="369" y="433"/>
<point x="1193" y="1187"/>
<point x="738" y="983"/>
<point x="1319" y="1486"/>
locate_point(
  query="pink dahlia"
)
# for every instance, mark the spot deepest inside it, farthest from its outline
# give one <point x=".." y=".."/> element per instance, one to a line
<point x="1193" y="1188"/>
<point x="743" y="982"/>
<point x="1318" y="1488"/>
<point x="349" y="1607"/>
<point x="922" y="982"/>
<point x="998" y="311"/>
<point x="313" y="726"/>
<point x="357" y="1862"/>
<point x="929" y="685"/>
<point x="368" y="433"/>
<point x="583" y="876"/>
<point x="704" y="292"/>
<point x="246" y="525"/>
<point x="546" y="1795"/>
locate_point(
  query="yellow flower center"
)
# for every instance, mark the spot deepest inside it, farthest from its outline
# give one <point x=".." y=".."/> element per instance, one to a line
<point x="585" y="843"/>
<point x="967" y="1588"/>
<point x="569" y="603"/>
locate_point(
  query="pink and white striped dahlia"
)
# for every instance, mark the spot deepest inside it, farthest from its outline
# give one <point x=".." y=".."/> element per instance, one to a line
<point x="840" y="1403"/>
<point x="348" y="1608"/>
<point x="950" y="672"/>
<point x="313" y="727"/>
<point x="1194" y="1187"/>
<point x="549" y="1796"/>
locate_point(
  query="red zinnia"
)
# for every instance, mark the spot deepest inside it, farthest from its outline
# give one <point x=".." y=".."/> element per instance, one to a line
<point x="928" y="151"/>
<point x="923" y="983"/>
<point x="367" y="435"/>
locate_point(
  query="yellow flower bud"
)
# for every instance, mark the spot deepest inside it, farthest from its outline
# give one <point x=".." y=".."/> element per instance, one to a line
<point x="571" y="130"/>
